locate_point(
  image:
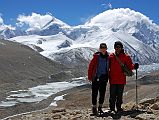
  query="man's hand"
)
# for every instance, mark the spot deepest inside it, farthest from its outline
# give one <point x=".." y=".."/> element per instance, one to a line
<point x="136" y="66"/>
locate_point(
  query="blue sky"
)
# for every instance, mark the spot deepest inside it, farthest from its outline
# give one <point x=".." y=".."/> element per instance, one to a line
<point x="73" y="12"/>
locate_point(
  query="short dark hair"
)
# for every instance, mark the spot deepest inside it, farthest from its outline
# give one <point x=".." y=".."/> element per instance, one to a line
<point x="118" y="43"/>
<point x="103" y="45"/>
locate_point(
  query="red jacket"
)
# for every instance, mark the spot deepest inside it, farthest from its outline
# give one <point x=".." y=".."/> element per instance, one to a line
<point x="116" y="76"/>
<point x="92" y="69"/>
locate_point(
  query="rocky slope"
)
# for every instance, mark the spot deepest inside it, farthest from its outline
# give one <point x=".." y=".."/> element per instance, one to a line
<point x="77" y="104"/>
<point x="147" y="109"/>
<point x="22" y="67"/>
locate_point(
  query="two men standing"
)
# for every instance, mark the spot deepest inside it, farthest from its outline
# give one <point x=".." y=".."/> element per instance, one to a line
<point x="102" y="68"/>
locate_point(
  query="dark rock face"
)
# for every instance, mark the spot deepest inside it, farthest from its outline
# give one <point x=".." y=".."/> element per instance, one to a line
<point x="22" y="67"/>
<point x="65" y="44"/>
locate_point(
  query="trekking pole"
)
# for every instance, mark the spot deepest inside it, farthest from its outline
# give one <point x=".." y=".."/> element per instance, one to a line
<point x="136" y="92"/>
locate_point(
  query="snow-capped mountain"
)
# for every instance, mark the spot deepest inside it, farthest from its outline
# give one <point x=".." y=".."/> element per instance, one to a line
<point x="68" y="45"/>
<point x="74" y="57"/>
<point x="53" y="27"/>
<point x="7" y="32"/>
<point x="129" y="21"/>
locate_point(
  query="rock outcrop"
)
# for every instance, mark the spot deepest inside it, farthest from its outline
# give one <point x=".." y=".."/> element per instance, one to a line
<point x="147" y="109"/>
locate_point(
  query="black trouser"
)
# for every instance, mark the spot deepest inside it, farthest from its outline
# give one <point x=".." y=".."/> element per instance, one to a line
<point x="99" y="86"/>
<point x="116" y="96"/>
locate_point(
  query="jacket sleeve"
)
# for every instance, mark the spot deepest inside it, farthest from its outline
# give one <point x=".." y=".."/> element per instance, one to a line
<point x="129" y="62"/>
<point x="90" y="69"/>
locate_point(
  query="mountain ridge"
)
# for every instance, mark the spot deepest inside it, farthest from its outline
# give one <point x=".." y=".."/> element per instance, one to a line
<point x="134" y="29"/>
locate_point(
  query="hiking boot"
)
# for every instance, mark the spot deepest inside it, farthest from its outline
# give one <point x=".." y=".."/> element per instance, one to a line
<point x="112" y="111"/>
<point x="94" y="111"/>
<point x="100" y="111"/>
<point x="119" y="110"/>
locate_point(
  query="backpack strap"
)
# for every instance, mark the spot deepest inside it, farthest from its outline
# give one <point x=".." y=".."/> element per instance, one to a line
<point x="118" y="60"/>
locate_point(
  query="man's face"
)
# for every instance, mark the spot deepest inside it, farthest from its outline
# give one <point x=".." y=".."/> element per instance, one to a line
<point x="118" y="49"/>
<point x="103" y="50"/>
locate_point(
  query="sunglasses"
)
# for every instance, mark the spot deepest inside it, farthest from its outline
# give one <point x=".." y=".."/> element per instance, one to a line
<point x="103" y="48"/>
<point x="118" y="46"/>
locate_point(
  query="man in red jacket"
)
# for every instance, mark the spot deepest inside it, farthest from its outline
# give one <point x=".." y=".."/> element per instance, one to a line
<point x="98" y="75"/>
<point x="117" y="78"/>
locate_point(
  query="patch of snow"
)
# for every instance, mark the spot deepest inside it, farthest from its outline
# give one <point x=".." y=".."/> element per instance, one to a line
<point x="148" y="68"/>
<point x="8" y="103"/>
<point x="53" y="104"/>
<point x="39" y="93"/>
<point x="1" y="43"/>
<point x="58" y="98"/>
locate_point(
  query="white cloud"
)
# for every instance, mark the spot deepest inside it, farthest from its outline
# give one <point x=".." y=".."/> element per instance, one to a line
<point x="84" y="20"/>
<point x="3" y="26"/>
<point x="115" y="17"/>
<point x="110" y="5"/>
<point x="1" y="20"/>
<point x="107" y="6"/>
<point x="104" y="4"/>
<point x="34" y="21"/>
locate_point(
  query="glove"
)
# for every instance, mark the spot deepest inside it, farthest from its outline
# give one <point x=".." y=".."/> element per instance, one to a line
<point x="136" y="65"/>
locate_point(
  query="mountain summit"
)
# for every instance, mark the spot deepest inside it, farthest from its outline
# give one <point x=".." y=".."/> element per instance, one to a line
<point x="129" y="21"/>
<point x="137" y="32"/>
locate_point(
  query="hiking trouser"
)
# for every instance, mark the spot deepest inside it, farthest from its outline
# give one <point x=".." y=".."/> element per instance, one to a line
<point x="116" y="96"/>
<point x="98" y="86"/>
